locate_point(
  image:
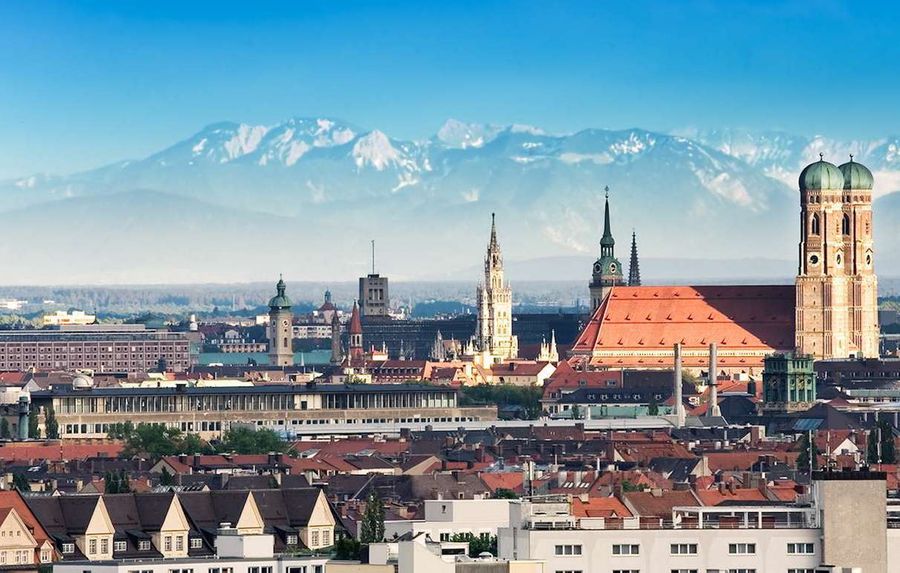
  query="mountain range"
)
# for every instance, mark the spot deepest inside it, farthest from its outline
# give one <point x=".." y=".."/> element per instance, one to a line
<point x="239" y="202"/>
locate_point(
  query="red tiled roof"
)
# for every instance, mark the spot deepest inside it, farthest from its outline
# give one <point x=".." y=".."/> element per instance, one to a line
<point x="657" y="503"/>
<point x="28" y="452"/>
<point x="599" y="507"/>
<point x="743" y="460"/>
<point x="715" y="497"/>
<point x="755" y="319"/>
<point x="512" y="481"/>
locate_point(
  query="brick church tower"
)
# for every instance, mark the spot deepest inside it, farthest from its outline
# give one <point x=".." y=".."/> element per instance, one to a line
<point x="836" y="286"/>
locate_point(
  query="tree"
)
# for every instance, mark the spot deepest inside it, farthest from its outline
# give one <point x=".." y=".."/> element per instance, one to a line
<point x="166" y="478"/>
<point x="20" y="482"/>
<point x="881" y="437"/>
<point x="653" y="407"/>
<point x="372" y="526"/>
<point x="477" y="544"/>
<point x="243" y="440"/>
<point x="51" y="425"/>
<point x="503" y="493"/>
<point x="34" y="431"/>
<point x="346" y="549"/>
<point x="4" y="429"/>
<point x="124" y="482"/>
<point x="155" y="441"/>
<point x="808" y="453"/>
<point x="111" y="483"/>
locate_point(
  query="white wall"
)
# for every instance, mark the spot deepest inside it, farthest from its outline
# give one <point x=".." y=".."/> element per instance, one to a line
<point x="483" y="516"/>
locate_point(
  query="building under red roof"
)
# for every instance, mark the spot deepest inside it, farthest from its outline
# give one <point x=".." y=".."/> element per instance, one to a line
<point x="636" y="327"/>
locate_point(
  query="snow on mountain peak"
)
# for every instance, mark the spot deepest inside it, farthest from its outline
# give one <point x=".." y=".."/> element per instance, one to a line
<point x="461" y="135"/>
<point x="245" y="141"/>
<point x="375" y="149"/>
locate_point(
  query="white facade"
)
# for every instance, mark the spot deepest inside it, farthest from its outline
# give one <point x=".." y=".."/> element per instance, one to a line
<point x="740" y="539"/>
<point x="446" y="518"/>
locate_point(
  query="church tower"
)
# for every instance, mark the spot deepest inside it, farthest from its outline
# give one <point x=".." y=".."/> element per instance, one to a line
<point x="355" y="338"/>
<point x="859" y="254"/>
<point x="494" y="339"/>
<point x="836" y="311"/>
<point x="607" y="269"/>
<point x="281" y="330"/>
<point x="634" y="269"/>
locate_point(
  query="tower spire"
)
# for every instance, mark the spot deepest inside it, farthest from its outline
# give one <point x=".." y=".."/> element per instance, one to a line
<point x="607" y="242"/>
<point x="634" y="269"/>
<point x="493" y="242"/>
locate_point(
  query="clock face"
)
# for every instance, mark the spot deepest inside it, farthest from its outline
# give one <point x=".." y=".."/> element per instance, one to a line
<point x="814" y="259"/>
<point x="597" y="267"/>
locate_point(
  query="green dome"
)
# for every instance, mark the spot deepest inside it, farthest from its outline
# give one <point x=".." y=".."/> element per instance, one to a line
<point x="821" y="175"/>
<point x="280" y="300"/>
<point x="857" y="175"/>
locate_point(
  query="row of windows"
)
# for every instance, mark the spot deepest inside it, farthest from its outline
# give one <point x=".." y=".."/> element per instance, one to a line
<point x="692" y="549"/>
<point x="568" y="549"/>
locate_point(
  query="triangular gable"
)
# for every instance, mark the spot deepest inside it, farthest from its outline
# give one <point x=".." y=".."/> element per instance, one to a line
<point x="175" y="519"/>
<point x="250" y="520"/>
<point x="16" y="519"/>
<point x="100" y="523"/>
<point x="321" y="514"/>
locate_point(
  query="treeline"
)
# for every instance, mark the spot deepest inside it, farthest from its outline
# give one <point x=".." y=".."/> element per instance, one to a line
<point x="155" y="441"/>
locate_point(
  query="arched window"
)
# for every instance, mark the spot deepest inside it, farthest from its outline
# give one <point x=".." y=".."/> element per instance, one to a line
<point x="815" y="224"/>
<point x="845" y="224"/>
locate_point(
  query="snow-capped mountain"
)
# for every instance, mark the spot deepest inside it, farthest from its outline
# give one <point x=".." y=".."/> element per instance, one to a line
<point x="329" y="186"/>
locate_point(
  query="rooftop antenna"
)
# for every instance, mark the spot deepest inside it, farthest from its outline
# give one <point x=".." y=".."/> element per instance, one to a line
<point x="373" y="256"/>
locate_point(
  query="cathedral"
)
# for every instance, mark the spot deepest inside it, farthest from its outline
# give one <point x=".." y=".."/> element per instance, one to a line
<point x="494" y="340"/>
<point x="829" y="312"/>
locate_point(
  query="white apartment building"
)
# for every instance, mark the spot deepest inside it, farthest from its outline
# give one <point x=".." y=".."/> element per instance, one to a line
<point x="445" y="518"/>
<point x="235" y="553"/>
<point x="843" y="524"/>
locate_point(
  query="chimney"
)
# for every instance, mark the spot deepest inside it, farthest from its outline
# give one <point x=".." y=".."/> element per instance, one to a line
<point x="713" y="409"/>
<point x="679" y="405"/>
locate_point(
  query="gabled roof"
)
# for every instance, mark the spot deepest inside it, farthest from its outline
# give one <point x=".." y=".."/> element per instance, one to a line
<point x="752" y="319"/>
<point x="658" y="503"/>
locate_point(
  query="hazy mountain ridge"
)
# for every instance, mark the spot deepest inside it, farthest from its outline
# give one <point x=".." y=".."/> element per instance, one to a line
<point x="304" y="196"/>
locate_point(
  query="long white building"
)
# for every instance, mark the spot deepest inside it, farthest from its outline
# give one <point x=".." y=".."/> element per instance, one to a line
<point x="840" y="526"/>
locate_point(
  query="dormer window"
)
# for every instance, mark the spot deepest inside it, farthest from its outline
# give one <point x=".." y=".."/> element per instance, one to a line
<point x="144" y="545"/>
<point x="68" y="548"/>
<point x="292" y="540"/>
<point x="119" y="546"/>
<point x="196" y="543"/>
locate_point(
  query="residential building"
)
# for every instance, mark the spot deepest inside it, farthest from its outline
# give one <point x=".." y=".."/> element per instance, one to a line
<point x="445" y="518"/>
<point x="61" y="317"/>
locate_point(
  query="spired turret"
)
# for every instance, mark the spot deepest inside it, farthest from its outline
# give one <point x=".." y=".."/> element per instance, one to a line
<point x="607" y="270"/>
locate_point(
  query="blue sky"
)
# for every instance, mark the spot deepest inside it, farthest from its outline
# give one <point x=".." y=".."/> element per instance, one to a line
<point x="85" y="83"/>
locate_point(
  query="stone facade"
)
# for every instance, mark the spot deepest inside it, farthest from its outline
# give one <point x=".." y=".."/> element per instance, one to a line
<point x="281" y="331"/>
<point x="494" y="339"/>
<point x="836" y="284"/>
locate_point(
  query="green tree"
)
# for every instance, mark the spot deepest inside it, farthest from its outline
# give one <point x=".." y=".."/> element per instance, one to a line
<point x="155" y="441"/>
<point x="4" y="429"/>
<point x="124" y="482"/>
<point x="51" y="424"/>
<point x="111" y="483"/>
<point x="503" y="493"/>
<point x="34" y="431"/>
<point x="528" y="397"/>
<point x="346" y="549"/>
<point x="372" y="526"/>
<point x="478" y="544"/>
<point x="20" y="482"/>
<point x="881" y="437"/>
<point x="808" y="453"/>
<point x="243" y="440"/>
<point x="653" y="407"/>
<point x="166" y="478"/>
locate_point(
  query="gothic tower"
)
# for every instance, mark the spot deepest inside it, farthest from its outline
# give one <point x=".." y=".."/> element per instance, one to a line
<point x="634" y="269"/>
<point x="494" y="339"/>
<point x="281" y="331"/>
<point x="607" y="269"/>
<point x="836" y="312"/>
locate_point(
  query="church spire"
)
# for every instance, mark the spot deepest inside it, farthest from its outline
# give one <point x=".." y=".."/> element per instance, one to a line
<point x="607" y="242"/>
<point x="634" y="270"/>
<point x="493" y="244"/>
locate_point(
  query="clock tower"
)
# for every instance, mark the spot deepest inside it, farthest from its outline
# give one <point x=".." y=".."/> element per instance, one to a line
<point x="281" y="329"/>
<point x="607" y="271"/>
